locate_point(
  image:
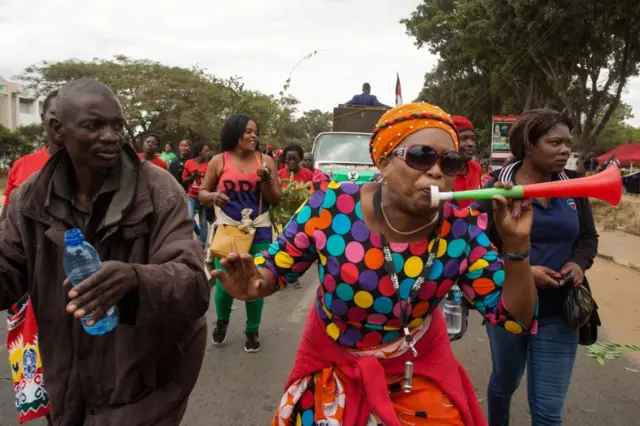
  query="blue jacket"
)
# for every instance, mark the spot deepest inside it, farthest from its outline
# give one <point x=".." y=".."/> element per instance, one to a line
<point x="366" y="99"/>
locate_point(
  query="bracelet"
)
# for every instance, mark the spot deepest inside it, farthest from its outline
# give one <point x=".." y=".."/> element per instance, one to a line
<point x="515" y="257"/>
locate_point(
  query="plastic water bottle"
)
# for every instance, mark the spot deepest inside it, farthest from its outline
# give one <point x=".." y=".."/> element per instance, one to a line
<point x="452" y="309"/>
<point x="80" y="261"/>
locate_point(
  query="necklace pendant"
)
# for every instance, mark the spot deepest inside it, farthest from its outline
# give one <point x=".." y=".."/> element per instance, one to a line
<point x="407" y="382"/>
<point x="408" y="340"/>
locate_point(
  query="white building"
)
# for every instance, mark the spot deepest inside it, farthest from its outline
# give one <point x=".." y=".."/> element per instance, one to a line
<point x="17" y="108"/>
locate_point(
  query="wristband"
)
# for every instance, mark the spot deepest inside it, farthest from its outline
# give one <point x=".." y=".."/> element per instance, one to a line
<point x="515" y="257"/>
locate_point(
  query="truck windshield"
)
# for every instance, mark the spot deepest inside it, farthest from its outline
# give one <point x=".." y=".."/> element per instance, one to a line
<point x="352" y="148"/>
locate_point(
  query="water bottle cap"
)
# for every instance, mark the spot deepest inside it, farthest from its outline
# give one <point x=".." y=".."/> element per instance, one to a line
<point x="73" y="237"/>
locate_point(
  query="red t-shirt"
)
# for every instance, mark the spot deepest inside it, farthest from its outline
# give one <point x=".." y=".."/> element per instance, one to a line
<point x="189" y="167"/>
<point x="303" y="175"/>
<point x="156" y="160"/>
<point x="23" y="168"/>
<point x="470" y="179"/>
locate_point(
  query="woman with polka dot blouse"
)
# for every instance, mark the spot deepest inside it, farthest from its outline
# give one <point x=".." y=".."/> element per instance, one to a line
<point x="375" y="350"/>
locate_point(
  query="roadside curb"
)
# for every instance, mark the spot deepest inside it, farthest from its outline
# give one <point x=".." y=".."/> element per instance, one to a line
<point x="621" y="262"/>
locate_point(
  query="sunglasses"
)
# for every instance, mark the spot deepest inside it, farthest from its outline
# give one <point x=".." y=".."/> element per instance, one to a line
<point x="423" y="157"/>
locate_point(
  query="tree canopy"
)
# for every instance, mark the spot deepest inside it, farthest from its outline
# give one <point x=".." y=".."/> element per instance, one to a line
<point x="181" y="102"/>
<point x="616" y="131"/>
<point x="18" y="142"/>
<point x="508" y="56"/>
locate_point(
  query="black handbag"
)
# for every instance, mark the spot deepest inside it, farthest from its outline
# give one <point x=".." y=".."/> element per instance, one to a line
<point x="589" y="331"/>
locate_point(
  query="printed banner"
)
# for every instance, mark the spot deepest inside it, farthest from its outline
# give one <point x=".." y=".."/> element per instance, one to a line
<point x="500" y="126"/>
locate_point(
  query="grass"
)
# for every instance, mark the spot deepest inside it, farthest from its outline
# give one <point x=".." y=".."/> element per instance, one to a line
<point x="624" y="217"/>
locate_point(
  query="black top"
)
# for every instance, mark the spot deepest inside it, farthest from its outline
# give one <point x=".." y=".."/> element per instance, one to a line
<point x="177" y="167"/>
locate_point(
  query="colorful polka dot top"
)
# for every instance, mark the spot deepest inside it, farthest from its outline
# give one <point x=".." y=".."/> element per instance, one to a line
<point x="356" y="299"/>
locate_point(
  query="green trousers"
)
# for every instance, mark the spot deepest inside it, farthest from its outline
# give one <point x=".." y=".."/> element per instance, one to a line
<point x="224" y="301"/>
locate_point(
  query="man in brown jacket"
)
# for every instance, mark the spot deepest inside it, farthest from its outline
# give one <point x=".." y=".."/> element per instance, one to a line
<point x="136" y="216"/>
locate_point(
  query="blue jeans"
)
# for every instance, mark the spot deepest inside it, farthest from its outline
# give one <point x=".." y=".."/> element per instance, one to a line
<point x="549" y="356"/>
<point x="196" y="207"/>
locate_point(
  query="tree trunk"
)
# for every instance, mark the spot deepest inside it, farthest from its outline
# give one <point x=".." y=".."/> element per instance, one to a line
<point x="530" y="91"/>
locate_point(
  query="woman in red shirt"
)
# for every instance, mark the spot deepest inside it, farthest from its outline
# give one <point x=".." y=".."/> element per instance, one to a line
<point x="293" y="155"/>
<point x="150" y="152"/>
<point x="194" y="171"/>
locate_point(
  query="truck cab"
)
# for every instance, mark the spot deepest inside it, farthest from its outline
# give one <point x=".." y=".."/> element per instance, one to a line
<point x="343" y="153"/>
<point x="344" y="157"/>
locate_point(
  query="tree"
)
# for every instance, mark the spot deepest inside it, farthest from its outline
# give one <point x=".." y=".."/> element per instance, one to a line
<point x="154" y="97"/>
<point x="32" y="135"/>
<point x="175" y="102"/>
<point x="16" y="143"/>
<point x="314" y="122"/>
<point x="617" y="132"/>
<point x="522" y="54"/>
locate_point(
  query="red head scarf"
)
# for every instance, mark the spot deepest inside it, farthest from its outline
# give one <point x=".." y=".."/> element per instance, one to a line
<point x="462" y="123"/>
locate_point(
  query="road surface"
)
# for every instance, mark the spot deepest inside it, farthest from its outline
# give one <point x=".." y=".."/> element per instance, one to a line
<point x="236" y="388"/>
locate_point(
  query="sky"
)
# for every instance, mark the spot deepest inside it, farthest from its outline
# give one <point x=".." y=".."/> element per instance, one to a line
<point x="261" y="41"/>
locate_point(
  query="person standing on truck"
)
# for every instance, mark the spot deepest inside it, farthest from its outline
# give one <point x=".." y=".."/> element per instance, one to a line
<point x="366" y="99"/>
<point x="471" y="177"/>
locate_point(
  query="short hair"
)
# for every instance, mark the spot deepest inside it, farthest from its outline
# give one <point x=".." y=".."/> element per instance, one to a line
<point x="47" y="101"/>
<point x="154" y="135"/>
<point x="197" y="148"/>
<point x="531" y="126"/>
<point x="232" y="131"/>
<point x="366" y="87"/>
<point x="293" y="148"/>
<point x="64" y="99"/>
<point x="168" y="143"/>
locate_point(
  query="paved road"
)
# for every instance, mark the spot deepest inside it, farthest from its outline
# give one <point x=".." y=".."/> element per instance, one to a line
<point x="236" y="388"/>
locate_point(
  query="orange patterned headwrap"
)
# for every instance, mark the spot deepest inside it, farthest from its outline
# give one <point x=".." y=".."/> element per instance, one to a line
<point x="398" y="123"/>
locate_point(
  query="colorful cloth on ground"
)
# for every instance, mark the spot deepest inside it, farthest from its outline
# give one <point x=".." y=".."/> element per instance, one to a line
<point x="356" y="299"/>
<point x="156" y="160"/>
<point x="243" y="190"/>
<point x="189" y="167"/>
<point x="398" y="123"/>
<point x="23" y="168"/>
<point x="471" y="178"/>
<point x="302" y="175"/>
<point x="32" y="401"/>
<point x="330" y="385"/>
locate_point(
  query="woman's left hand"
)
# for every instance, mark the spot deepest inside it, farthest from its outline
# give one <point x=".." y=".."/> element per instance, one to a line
<point x="578" y="273"/>
<point x="513" y="219"/>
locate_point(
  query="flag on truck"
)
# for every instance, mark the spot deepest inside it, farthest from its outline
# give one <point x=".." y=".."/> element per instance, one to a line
<point x="398" y="90"/>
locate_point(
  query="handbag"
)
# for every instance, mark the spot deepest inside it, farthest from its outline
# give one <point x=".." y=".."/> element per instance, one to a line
<point x="230" y="238"/>
<point x="577" y="307"/>
<point x="32" y="400"/>
<point x="588" y="333"/>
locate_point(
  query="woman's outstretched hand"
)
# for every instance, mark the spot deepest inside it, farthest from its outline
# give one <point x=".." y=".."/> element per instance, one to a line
<point x="242" y="279"/>
<point x="513" y="219"/>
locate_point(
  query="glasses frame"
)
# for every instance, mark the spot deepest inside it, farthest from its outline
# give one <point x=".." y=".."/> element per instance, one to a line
<point x="402" y="153"/>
